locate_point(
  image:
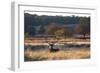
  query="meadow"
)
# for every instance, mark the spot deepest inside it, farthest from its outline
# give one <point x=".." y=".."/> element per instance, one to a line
<point x="56" y="37"/>
<point x="60" y="55"/>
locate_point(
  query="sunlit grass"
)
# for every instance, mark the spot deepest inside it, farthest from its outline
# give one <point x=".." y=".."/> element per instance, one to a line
<point x="33" y="40"/>
<point x="60" y="55"/>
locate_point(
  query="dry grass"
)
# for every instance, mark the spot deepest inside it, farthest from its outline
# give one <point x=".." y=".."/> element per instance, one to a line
<point x="60" y="55"/>
<point x="33" y="40"/>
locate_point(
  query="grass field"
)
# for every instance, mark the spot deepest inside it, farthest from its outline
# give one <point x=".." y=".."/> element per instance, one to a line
<point x="77" y="53"/>
<point x="60" y="55"/>
<point x="35" y="40"/>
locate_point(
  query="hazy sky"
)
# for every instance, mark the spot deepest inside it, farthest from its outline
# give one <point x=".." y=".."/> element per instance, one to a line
<point x="51" y="13"/>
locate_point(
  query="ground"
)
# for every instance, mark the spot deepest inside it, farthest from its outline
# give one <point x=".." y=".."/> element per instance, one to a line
<point x="83" y="53"/>
<point x="68" y="54"/>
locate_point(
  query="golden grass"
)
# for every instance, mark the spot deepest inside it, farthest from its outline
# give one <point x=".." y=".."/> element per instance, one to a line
<point x="60" y="55"/>
<point x="27" y="40"/>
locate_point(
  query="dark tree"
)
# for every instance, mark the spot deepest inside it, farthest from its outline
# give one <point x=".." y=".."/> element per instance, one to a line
<point x="51" y="28"/>
<point x="31" y="31"/>
<point x="83" y="27"/>
<point x="41" y="30"/>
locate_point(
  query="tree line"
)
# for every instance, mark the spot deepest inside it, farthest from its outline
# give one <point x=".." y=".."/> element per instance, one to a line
<point x="56" y="25"/>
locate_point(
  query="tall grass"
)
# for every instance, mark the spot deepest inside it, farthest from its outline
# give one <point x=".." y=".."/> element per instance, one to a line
<point x="60" y="55"/>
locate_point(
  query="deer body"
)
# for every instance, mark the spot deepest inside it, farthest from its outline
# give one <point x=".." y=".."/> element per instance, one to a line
<point x="53" y="49"/>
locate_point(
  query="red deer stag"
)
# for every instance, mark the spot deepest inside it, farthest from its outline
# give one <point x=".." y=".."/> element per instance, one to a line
<point x="53" y="49"/>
